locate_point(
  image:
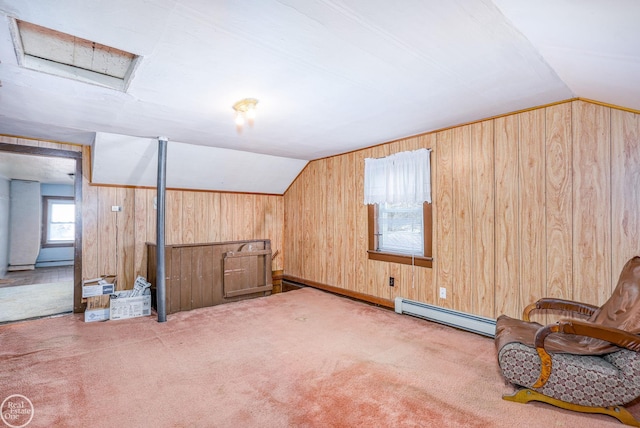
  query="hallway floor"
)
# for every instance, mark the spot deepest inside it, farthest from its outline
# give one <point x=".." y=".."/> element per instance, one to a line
<point x="36" y="293"/>
<point x="42" y="275"/>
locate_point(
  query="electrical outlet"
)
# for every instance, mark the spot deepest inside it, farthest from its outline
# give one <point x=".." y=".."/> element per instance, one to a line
<point x="392" y="281"/>
<point x="443" y="293"/>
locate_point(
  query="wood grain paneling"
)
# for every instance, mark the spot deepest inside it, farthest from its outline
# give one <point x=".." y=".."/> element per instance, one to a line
<point x="591" y="203"/>
<point x="444" y="238"/>
<point x="89" y="222"/>
<point x="188" y="216"/>
<point x="361" y="240"/>
<point x="537" y="203"/>
<point x="140" y="231"/>
<point x="507" y="255"/>
<point x="461" y="293"/>
<point x="483" y="215"/>
<point x="625" y="188"/>
<point x="558" y="187"/>
<point x="532" y="206"/>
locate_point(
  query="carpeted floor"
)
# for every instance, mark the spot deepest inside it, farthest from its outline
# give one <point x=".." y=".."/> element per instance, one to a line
<point x="299" y="359"/>
<point x="36" y="300"/>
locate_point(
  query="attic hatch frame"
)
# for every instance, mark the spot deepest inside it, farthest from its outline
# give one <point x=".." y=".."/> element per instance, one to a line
<point x="50" y="64"/>
<point x="78" y="306"/>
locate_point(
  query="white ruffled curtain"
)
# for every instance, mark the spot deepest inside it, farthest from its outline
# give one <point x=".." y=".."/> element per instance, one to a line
<point x="401" y="177"/>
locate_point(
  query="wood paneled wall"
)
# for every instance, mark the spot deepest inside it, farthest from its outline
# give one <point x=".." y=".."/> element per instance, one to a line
<point x="543" y="202"/>
<point x="114" y="242"/>
<point x="191" y="217"/>
<point x="539" y="203"/>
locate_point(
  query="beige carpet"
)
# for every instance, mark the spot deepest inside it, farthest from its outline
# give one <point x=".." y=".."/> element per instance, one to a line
<point x="299" y="359"/>
<point x="29" y="301"/>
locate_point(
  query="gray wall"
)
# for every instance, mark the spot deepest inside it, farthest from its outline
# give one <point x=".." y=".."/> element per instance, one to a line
<point x="26" y="218"/>
<point x="4" y="226"/>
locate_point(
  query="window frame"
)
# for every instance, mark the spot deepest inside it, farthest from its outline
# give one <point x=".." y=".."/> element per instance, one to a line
<point x="45" y="243"/>
<point x="425" y="260"/>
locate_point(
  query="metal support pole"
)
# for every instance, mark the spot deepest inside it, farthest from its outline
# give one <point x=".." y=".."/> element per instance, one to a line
<point x="161" y="287"/>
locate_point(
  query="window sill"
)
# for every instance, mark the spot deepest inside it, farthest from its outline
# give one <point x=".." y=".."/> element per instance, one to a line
<point x="401" y="258"/>
<point x="57" y="245"/>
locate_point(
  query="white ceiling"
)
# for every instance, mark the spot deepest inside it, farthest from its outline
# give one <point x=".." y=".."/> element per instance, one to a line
<point x="45" y="169"/>
<point x="332" y="76"/>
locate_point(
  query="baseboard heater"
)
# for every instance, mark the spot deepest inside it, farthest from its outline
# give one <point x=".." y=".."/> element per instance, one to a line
<point x="461" y="320"/>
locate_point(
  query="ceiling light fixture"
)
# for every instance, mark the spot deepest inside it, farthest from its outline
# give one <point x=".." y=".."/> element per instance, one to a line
<point x="245" y="112"/>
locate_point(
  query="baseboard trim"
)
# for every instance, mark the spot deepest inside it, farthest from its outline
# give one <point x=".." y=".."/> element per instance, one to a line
<point x="341" y="291"/>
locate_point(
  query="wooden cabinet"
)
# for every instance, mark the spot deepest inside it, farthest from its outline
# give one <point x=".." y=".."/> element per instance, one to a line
<point x="208" y="274"/>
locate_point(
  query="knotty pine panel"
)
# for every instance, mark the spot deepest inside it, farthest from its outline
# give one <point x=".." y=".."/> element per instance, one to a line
<point x="259" y="219"/>
<point x="325" y="231"/>
<point x="292" y="224"/>
<point x="507" y="262"/>
<point x="309" y="223"/>
<point x="108" y="233"/>
<point x="591" y="203"/>
<point x="89" y="221"/>
<point x="188" y="218"/>
<point x="461" y="291"/>
<point x="140" y="231"/>
<point x="483" y="214"/>
<point x="319" y="212"/>
<point x="352" y="203"/>
<point x="227" y="213"/>
<point x="125" y="222"/>
<point x="174" y="220"/>
<point x="361" y="218"/>
<point x="625" y="189"/>
<point x="532" y="206"/>
<point x="423" y="284"/>
<point x="558" y="189"/>
<point x="213" y="225"/>
<point x="245" y="211"/>
<point x="444" y="234"/>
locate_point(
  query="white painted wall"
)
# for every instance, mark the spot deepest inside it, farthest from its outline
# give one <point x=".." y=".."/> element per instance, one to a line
<point x="4" y="226"/>
<point x="57" y="256"/>
<point x="133" y="161"/>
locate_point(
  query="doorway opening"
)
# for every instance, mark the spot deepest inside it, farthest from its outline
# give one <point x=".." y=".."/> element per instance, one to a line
<point x="40" y="258"/>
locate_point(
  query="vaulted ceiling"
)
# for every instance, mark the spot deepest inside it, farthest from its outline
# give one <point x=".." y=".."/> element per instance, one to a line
<point x="331" y="76"/>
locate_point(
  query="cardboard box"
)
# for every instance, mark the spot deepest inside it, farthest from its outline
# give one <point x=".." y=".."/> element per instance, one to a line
<point x="123" y="307"/>
<point x="98" y="286"/>
<point x="100" y="314"/>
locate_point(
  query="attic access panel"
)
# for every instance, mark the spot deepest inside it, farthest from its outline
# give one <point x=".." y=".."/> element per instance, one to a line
<point x="50" y="51"/>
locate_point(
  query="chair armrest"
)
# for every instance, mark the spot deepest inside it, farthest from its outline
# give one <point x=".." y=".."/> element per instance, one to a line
<point x="615" y="336"/>
<point x="559" y="305"/>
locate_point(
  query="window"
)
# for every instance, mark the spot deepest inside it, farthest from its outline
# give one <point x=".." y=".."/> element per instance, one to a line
<point x="399" y="228"/>
<point x="58" y="221"/>
<point x="398" y="192"/>
<point x="407" y="238"/>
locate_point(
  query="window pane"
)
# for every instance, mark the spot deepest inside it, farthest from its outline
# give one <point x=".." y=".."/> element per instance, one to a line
<point x="400" y="228"/>
<point x="62" y="213"/>
<point x="61" y="232"/>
